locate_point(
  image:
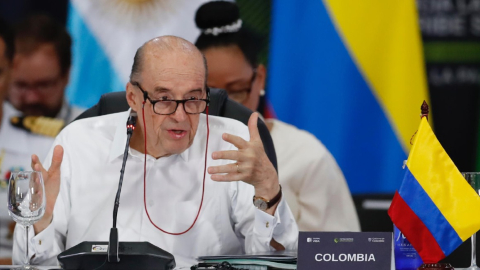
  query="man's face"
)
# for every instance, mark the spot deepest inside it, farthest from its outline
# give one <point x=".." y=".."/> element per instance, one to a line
<point x="4" y="70"/>
<point x="170" y="76"/>
<point x="37" y="82"/>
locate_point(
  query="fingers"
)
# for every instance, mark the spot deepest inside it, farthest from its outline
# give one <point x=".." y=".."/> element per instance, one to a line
<point x="229" y="172"/>
<point x="235" y="140"/>
<point x="57" y="158"/>
<point x="34" y="161"/>
<point x="228" y="168"/>
<point x="253" y="130"/>
<point x="252" y="127"/>
<point x="231" y="155"/>
<point x="37" y="165"/>
<point x="249" y="157"/>
<point x="229" y="177"/>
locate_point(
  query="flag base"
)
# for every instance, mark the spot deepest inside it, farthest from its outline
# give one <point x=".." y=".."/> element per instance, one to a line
<point x="436" y="266"/>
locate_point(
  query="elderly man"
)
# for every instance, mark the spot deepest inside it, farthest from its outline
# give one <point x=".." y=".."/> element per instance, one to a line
<point x="178" y="147"/>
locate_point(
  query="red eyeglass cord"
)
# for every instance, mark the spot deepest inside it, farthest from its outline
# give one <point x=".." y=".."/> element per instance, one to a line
<point x="145" y="173"/>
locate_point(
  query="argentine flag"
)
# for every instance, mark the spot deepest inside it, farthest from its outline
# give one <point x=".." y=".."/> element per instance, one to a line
<point x="107" y="33"/>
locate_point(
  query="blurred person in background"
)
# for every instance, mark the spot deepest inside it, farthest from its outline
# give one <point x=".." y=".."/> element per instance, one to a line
<point x="16" y="144"/>
<point x="312" y="181"/>
<point x="41" y="69"/>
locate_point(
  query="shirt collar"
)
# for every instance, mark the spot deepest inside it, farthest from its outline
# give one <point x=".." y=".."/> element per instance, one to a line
<point x="120" y="139"/>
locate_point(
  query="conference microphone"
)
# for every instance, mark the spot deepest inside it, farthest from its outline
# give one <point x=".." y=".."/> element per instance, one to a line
<point x="114" y="254"/>
<point x="113" y="242"/>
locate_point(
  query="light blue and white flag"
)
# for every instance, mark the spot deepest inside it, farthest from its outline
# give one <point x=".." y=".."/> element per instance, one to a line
<point x="107" y="33"/>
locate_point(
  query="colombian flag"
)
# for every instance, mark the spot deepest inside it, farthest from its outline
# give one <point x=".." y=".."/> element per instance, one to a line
<point x="435" y="208"/>
<point x="352" y="73"/>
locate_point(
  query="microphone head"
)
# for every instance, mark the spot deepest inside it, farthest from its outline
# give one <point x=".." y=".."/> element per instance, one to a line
<point x="132" y="120"/>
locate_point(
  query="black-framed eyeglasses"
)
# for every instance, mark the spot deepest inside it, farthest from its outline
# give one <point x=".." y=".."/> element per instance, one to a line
<point x="167" y="107"/>
<point x="241" y="95"/>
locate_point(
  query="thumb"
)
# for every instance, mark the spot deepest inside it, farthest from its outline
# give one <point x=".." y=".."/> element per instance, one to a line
<point x="252" y="127"/>
<point x="57" y="158"/>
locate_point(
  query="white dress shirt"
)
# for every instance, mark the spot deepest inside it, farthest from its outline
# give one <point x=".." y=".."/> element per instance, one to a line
<point x="312" y="182"/>
<point x="16" y="148"/>
<point x="93" y="150"/>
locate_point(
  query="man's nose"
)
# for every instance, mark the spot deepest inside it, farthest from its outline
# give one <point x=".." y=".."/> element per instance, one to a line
<point x="180" y="114"/>
<point x="31" y="97"/>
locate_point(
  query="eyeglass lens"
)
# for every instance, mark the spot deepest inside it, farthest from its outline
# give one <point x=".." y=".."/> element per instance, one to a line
<point x="170" y="106"/>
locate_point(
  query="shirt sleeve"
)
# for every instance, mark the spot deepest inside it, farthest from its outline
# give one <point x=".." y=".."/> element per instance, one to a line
<point x="44" y="247"/>
<point x="258" y="228"/>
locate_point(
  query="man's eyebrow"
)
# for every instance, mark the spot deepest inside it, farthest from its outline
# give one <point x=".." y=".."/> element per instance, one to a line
<point x="160" y="89"/>
<point x="195" y="90"/>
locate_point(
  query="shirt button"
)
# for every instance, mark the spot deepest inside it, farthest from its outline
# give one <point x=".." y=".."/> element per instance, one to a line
<point x="150" y="203"/>
<point x="267" y="224"/>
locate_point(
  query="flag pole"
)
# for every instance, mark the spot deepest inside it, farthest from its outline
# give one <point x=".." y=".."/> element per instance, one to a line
<point x="431" y="266"/>
<point x="425" y="110"/>
<point x="424" y="113"/>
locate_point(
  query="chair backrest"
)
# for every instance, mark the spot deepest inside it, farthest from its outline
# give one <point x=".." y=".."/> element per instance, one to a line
<point x="220" y="105"/>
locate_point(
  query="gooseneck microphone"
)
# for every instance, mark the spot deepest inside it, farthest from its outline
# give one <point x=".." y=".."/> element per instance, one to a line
<point x="113" y="242"/>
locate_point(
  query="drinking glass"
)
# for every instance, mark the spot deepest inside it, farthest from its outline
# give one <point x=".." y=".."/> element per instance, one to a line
<point x="26" y="203"/>
<point x="473" y="178"/>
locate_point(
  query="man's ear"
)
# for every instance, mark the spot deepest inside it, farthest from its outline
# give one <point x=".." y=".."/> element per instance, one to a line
<point x="132" y="97"/>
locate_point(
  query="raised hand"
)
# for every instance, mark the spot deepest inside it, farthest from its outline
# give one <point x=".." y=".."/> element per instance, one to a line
<point x="252" y="164"/>
<point x="51" y="179"/>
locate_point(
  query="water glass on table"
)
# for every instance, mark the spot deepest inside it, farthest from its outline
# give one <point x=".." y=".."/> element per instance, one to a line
<point x="26" y="203"/>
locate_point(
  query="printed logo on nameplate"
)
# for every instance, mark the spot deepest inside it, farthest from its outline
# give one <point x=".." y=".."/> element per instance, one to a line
<point x="344" y="250"/>
<point x="99" y="248"/>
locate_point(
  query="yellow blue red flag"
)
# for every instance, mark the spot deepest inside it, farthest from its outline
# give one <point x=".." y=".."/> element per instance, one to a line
<point x="435" y="208"/>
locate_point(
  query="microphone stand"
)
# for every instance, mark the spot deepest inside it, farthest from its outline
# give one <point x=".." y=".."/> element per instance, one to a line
<point x="113" y="241"/>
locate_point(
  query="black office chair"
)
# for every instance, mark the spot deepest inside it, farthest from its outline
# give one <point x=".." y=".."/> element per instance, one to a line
<point x="220" y="105"/>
